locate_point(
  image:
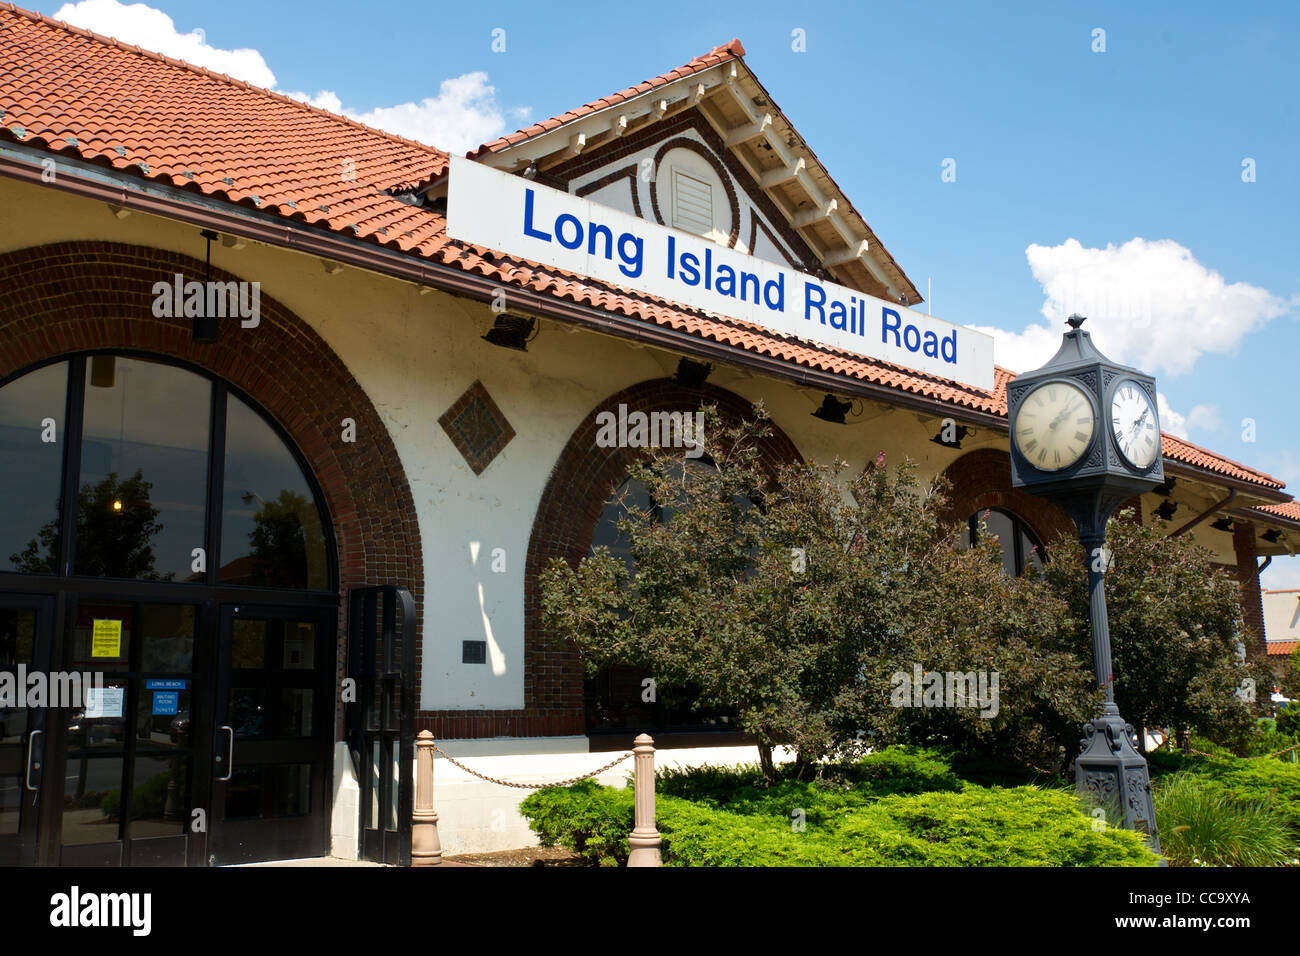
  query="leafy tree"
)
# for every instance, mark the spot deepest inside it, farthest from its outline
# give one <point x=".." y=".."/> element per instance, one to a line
<point x="1290" y="683"/>
<point x="973" y="619"/>
<point x="116" y="524"/>
<point x="1175" y="623"/>
<point x="798" y="612"/>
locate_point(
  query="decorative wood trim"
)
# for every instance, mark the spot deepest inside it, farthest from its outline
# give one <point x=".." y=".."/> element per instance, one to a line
<point x="627" y="172"/>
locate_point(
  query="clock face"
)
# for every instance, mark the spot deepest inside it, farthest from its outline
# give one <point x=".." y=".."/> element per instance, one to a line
<point x="1054" y="426"/>
<point x="1134" y="424"/>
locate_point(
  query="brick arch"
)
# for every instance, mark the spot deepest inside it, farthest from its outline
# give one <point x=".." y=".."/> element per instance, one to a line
<point x="580" y="485"/>
<point x="76" y="296"/>
<point x="981" y="479"/>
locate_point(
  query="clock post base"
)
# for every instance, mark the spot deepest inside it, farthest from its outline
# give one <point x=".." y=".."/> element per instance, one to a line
<point x="1111" y="773"/>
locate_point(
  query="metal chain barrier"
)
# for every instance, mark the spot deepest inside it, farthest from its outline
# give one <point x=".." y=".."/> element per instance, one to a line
<point x="530" y="786"/>
<point x="1278" y="753"/>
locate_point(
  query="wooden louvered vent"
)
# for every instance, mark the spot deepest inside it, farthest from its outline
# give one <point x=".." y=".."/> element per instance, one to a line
<point x="692" y="204"/>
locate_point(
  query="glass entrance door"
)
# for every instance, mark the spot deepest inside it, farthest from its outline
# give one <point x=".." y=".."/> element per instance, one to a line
<point x="126" y="756"/>
<point x="25" y="628"/>
<point x="272" y="743"/>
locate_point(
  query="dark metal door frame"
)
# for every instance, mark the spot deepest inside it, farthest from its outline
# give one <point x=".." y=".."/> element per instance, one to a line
<point x="380" y="724"/>
<point x="254" y="839"/>
<point x="28" y="758"/>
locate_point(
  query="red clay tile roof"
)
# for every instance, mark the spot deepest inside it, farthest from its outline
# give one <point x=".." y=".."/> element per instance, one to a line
<point x="719" y="54"/>
<point x="1289" y="510"/>
<point x="72" y="91"/>
<point x="1184" y="451"/>
<point x="1281" y="648"/>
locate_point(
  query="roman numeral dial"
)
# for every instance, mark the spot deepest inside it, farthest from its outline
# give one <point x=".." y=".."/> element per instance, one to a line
<point x="1134" y="424"/>
<point x="1054" y="426"/>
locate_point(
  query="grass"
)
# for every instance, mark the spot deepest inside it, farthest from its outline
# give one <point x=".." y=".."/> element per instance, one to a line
<point x="1202" y="824"/>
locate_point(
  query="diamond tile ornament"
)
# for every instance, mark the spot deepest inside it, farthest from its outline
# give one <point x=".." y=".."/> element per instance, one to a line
<point x="477" y="427"/>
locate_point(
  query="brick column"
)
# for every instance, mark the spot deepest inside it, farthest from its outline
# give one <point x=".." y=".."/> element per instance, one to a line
<point x="1252" y="604"/>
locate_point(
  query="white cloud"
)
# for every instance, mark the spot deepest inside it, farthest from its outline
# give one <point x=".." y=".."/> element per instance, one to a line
<point x="147" y="27"/>
<point x="1150" y="304"/>
<point x="322" y="99"/>
<point x="463" y="115"/>
<point x="1204" y="418"/>
<point x="1022" y="351"/>
<point x="1170" y="420"/>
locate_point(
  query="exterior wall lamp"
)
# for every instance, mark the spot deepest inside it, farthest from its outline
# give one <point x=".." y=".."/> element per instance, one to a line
<point x="833" y="410"/>
<point x="957" y="434"/>
<point x="692" y="374"/>
<point x="512" y="332"/>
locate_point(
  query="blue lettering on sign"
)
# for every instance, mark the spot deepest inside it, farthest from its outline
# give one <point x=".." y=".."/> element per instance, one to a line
<point x="528" y="219"/>
<point x="702" y="269"/>
<point x="811" y="290"/>
<point x="886" y="326"/>
<point x="166" y="703"/>
<point x="570" y="233"/>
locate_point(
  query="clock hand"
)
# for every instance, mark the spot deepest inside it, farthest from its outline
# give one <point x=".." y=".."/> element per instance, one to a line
<point x="1061" y="417"/>
<point x="1137" y="425"/>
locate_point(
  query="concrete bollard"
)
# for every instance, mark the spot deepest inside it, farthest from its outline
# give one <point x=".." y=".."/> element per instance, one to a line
<point x="426" y="848"/>
<point x="644" y="840"/>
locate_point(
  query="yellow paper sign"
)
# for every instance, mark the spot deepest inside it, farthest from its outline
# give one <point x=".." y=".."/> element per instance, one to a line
<point x="106" y="639"/>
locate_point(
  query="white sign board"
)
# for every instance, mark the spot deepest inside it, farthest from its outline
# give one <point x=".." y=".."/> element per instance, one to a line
<point x="105" y="701"/>
<point x="487" y="207"/>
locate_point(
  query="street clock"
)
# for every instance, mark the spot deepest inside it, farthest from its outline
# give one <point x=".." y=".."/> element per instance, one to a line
<point x="1083" y="422"/>
<point x="1085" y="433"/>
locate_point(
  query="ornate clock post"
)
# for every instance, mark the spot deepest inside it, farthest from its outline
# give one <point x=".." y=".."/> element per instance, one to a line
<point x="1085" y="434"/>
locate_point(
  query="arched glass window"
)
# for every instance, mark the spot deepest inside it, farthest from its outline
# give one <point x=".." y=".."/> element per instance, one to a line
<point x="614" y="696"/>
<point x="137" y="451"/>
<point x="31" y="468"/>
<point x="1020" y="547"/>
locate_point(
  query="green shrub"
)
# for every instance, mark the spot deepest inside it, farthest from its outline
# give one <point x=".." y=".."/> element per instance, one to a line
<point x="1244" y="780"/>
<point x="1203" y="823"/>
<point x="1288" y="720"/>
<point x="591" y="820"/>
<point x="1023" y="826"/>
<point x="906" y="770"/>
<point x="838" y="789"/>
<point x="1263" y="739"/>
<point x="975" y="827"/>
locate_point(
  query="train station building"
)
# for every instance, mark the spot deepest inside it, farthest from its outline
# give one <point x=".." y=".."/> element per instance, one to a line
<point x="266" y="428"/>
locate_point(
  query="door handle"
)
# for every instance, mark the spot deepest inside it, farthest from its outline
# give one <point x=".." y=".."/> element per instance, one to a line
<point x="31" y="752"/>
<point x="230" y="755"/>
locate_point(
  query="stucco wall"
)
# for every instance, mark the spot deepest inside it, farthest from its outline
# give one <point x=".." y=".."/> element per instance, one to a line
<point x="414" y="355"/>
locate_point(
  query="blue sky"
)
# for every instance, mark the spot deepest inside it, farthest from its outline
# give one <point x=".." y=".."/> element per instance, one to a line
<point x="1109" y="183"/>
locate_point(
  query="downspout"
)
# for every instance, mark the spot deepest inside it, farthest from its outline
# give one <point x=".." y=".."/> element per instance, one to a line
<point x="1232" y="493"/>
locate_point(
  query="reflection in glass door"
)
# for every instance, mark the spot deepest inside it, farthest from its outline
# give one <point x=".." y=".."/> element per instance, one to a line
<point x="271" y="748"/>
<point x="24" y="649"/>
<point x="127" y="754"/>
